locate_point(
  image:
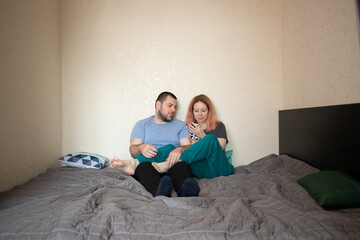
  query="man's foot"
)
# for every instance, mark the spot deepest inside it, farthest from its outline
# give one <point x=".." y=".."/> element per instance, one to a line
<point x="165" y="187"/>
<point x="190" y="188"/>
<point x="161" y="167"/>
<point x="128" y="166"/>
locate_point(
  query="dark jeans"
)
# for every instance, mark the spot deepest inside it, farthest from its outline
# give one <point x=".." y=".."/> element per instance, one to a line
<point x="147" y="175"/>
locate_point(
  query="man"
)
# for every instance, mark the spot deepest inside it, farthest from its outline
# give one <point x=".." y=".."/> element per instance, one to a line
<point x="160" y="131"/>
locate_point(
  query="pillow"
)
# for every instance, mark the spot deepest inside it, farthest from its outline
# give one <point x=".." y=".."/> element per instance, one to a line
<point x="228" y="155"/>
<point x="332" y="189"/>
<point x="84" y="160"/>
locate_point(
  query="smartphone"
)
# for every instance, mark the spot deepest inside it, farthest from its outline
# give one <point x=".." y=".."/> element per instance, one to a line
<point x="193" y="136"/>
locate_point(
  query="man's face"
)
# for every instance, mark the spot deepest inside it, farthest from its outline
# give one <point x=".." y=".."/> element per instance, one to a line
<point x="166" y="110"/>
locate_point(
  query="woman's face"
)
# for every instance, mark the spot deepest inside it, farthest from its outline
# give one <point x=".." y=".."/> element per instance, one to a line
<point x="200" y="112"/>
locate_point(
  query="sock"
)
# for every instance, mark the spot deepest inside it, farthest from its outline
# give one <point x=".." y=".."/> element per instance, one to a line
<point x="165" y="187"/>
<point x="190" y="188"/>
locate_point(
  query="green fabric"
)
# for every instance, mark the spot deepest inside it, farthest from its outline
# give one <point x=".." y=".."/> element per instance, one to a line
<point x="332" y="189"/>
<point x="161" y="156"/>
<point x="206" y="158"/>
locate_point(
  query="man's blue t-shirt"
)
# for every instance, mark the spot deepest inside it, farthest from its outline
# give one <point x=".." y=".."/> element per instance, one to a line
<point x="160" y="135"/>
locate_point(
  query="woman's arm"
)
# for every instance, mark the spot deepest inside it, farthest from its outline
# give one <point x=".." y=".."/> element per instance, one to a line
<point x="222" y="142"/>
<point x="219" y="131"/>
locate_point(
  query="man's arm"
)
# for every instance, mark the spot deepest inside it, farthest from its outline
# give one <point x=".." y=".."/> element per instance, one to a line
<point x="137" y="147"/>
<point x="175" y="154"/>
<point x="134" y="148"/>
<point x="185" y="142"/>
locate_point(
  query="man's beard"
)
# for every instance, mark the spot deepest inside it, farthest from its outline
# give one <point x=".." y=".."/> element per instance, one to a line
<point x="163" y="117"/>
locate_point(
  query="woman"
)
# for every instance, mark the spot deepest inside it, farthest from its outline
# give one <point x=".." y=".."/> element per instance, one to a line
<point x="201" y="119"/>
<point x="206" y="156"/>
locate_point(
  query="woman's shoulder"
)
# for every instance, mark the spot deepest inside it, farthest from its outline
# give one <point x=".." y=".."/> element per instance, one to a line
<point x="219" y="131"/>
<point x="219" y="128"/>
<point x="220" y="124"/>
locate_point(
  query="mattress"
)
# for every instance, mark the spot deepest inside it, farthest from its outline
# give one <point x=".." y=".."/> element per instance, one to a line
<point x="261" y="200"/>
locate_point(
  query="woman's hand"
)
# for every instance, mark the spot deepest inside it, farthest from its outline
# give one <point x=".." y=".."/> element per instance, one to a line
<point x="197" y="129"/>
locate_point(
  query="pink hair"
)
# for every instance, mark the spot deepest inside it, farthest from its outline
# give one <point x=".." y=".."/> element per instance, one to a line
<point x="211" y="120"/>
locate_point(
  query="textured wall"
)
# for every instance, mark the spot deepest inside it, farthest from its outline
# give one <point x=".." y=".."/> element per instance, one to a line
<point x="321" y="53"/>
<point x="30" y="92"/>
<point x="251" y="57"/>
<point x="117" y="56"/>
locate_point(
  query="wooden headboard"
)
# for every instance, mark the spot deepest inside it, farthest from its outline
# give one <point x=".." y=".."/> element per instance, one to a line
<point x="327" y="138"/>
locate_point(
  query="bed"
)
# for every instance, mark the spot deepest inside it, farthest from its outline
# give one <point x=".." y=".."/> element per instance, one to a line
<point x="262" y="200"/>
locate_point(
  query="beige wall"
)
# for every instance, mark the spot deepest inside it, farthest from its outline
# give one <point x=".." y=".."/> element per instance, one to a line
<point x="117" y="56"/>
<point x="251" y="57"/>
<point x="321" y="60"/>
<point x="30" y="92"/>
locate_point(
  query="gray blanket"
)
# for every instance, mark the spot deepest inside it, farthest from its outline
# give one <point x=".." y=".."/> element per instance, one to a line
<point x="261" y="200"/>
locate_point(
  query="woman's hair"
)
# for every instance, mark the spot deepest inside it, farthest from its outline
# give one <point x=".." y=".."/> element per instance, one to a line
<point x="211" y="120"/>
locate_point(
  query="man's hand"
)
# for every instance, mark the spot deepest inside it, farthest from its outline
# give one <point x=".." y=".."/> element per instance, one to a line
<point x="148" y="150"/>
<point x="174" y="156"/>
<point x="137" y="147"/>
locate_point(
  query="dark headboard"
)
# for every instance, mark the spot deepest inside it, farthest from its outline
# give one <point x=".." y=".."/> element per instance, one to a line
<point x="327" y="138"/>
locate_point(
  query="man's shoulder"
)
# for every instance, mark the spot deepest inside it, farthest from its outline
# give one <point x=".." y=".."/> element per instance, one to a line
<point x="145" y="120"/>
<point x="176" y="121"/>
<point x="149" y="121"/>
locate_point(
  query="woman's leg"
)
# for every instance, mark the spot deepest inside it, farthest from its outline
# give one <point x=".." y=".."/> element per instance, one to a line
<point x="207" y="159"/>
<point x="161" y="155"/>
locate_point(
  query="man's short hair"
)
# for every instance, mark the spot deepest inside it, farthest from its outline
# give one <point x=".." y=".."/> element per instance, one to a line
<point x="162" y="96"/>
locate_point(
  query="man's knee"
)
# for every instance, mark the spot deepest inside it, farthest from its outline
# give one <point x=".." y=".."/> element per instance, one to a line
<point x="180" y="167"/>
<point x="144" y="166"/>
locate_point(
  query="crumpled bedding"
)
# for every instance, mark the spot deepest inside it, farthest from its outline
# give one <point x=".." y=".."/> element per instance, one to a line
<point x="261" y="200"/>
